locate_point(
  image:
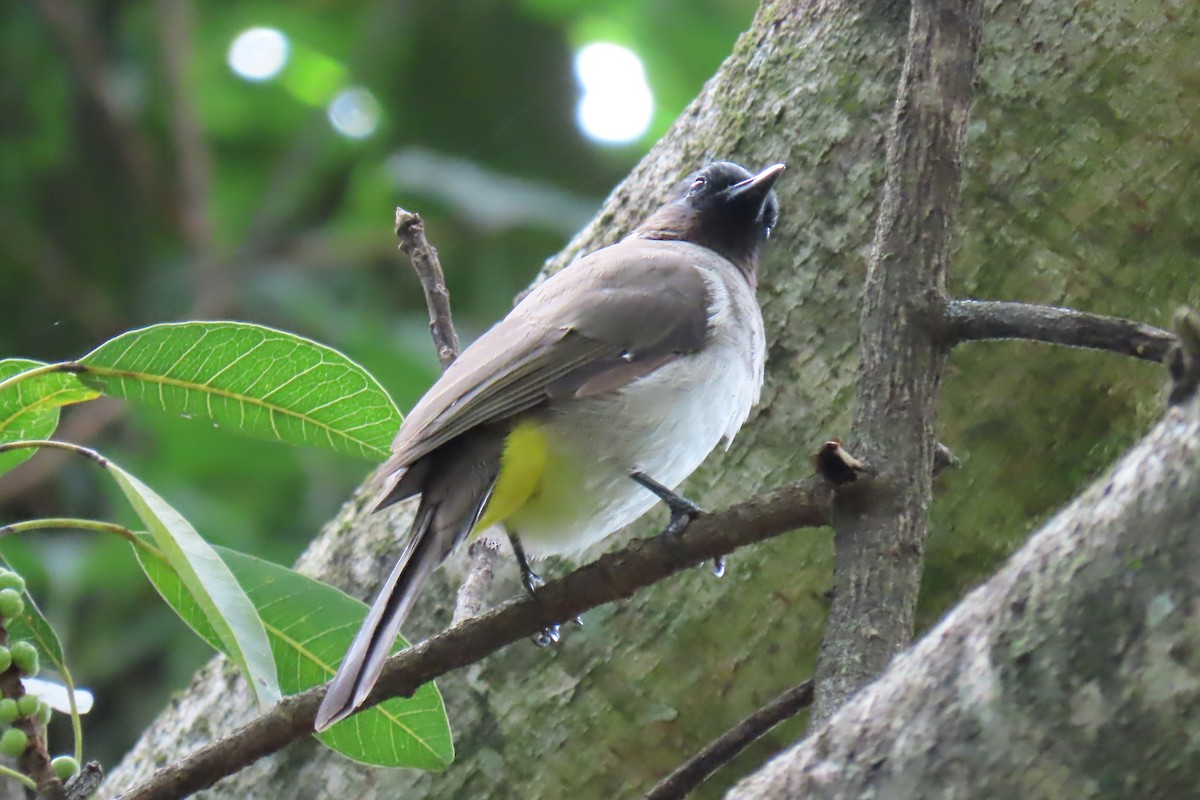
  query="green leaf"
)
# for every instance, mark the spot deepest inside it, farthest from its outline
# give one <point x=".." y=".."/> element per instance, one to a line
<point x="29" y="406"/>
<point x="252" y="379"/>
<point x="218" y="596"/>
<point x="310" y="625"/>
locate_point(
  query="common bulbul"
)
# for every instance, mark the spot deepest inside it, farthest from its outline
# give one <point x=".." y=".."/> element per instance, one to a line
<point x="602" y="390"/>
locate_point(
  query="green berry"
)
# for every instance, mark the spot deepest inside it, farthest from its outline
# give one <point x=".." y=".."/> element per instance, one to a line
<point x="11" y="603"/>
<point x="8" y="711"/>
<point x="65" y="767"/>
<point x="27" y="705"/>
<point x="11" y="580"/>
<point x="5" y="658"/>
<point x="13" y="742"/>
<point x="25" y="656"/>
<point x="43" y="715"/>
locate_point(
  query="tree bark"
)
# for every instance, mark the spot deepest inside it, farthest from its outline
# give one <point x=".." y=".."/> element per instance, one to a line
<point x="880" y="525"/>
<point x="1074" y="672"/>
<point x="1059" y="160"/>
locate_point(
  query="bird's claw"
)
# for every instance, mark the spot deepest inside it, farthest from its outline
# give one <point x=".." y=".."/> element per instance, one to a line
<point x="548" y="636"/>
<point x="683" y="511"/>
<point x="551" y="634"/>
<point x="681" y="517"/>
<point x="532" y="582"/>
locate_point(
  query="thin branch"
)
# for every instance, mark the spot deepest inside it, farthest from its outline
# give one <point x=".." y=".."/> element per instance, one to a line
<point x="615" y="575"/>
<point x="71" y="523"/>
<point x="880" y="525"/>
<point x="54" y="444"/>
<point x="410" y="230"/>
<point x="472" y="593"/>
<point x="976" y="320"/>
<point x="724" y="748"/>
<point x="80" y="424"/>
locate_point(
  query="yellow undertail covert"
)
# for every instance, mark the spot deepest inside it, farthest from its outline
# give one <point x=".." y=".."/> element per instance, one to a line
<point x="522" y="465"/>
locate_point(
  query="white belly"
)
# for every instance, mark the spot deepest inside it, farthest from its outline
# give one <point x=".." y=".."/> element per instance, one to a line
<point x="665" y="425"/>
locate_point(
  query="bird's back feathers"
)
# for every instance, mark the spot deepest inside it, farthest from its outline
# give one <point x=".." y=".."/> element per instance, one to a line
<point x="608" y="319"/>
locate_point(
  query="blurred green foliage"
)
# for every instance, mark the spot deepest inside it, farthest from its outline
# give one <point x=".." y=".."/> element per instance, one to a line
<point x="142" y="181"/>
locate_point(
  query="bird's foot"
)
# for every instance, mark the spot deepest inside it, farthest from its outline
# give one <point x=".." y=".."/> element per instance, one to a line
<point x="531" y="581"/>
<point x="548" y="636"/>
<point x="551" y="634"/>
<point x="683" y="511"/>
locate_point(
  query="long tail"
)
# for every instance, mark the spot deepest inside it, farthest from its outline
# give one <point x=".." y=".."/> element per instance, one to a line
<point x="452" y="501"/>
<point x="364" y="660"/>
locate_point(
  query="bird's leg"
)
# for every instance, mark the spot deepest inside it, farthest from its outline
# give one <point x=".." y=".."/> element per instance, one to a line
<point x="683" y="511"/>
<point x="532" y="582"/>
<point x="529" y="579"/>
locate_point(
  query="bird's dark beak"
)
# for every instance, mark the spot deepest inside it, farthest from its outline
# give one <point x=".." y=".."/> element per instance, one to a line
<point x="754" y="190"/>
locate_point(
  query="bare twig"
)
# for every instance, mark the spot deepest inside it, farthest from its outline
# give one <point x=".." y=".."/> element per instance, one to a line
<point x="880" y="529"/>
<point x="725" y="747"/>
<point x="974" y="320"/>
<point x="613" y="576"/>
<point x="410" y="230"/>
<point x="472" y="593"/>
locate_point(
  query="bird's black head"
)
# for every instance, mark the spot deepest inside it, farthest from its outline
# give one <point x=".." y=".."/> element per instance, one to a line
<point x="724" y="207"/>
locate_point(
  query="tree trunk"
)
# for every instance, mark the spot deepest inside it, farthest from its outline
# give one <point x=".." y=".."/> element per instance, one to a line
<point x="1082" y="121"/>
<point x="1075" y="672"/>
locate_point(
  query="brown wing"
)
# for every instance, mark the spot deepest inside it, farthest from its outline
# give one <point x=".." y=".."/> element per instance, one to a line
<point x="601" y="323"/>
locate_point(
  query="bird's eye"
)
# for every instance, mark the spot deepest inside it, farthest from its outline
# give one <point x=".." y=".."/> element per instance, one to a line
<point x="698" y="184"/>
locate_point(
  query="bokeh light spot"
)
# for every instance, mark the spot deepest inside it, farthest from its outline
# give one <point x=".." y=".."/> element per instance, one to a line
<point x="258" y="54"/>
<point x="616" y="104"/>
<point x="354" y="113"/>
